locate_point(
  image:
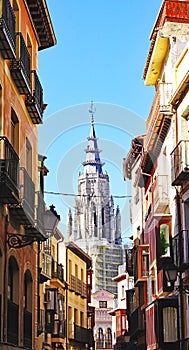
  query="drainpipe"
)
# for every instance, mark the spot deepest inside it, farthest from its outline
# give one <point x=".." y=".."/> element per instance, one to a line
<point x="180" y="297"/>
<point x="5" y="309"/>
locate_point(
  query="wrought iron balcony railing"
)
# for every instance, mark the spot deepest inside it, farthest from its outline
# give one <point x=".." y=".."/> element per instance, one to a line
<point x="180" y="243"/>
<point x="80" y="334"/>
<point x="24" y="211"/>
<point x="180" y="163"/>
<point x="34" y="101"/>
<point x="7" y="30"/>
<point x="20" y="67"/>
<point x="72" y="282"/>
<point x="58" y="271"/>
<point x="9" y="173"/>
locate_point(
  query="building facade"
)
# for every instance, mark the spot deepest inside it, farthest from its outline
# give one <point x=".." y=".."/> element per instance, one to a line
<point x="95" y="226"/>
<point x="79" y="314"/>
<point x="103" y="302"/>
<point x="25" y="28"/>
<point x="158" y="170"/>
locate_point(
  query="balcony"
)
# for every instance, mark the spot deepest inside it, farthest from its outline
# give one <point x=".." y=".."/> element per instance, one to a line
<point x="159" y="119"/>
<point x="83" y="290"/>
<point x="57" y="274"/>
<point x="162" y="324"/>
<point x="180" y="163"/>
<point x="40" y="210"/>
<point x="137" y="321"/>
<point x="180" y="244"/>
<point x="24" y="211"/>
<point x="129" y="262"/>
<point x="59" y="330"/>
<point x="80" y="334"/>
<point x="34" y="101"/>
<point x="45" y="268"/>
<point x="161" y="194"/>
<point x="7" y="30"/>
<point x="9" y="170"/>
<point x="72" y="283"/>
<point x="20" y="67"/>
<point x="141" y="263"/>
<point x="12" y="323"/>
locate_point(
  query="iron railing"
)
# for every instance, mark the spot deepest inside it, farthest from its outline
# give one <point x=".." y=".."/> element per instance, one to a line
<point x="34" y="100"/>
<point x="180" y="243"/>
<point x="180" y="163"/>
<point x="9" y="171"/>
<point x="27" y="193"/>
<point x="20" y="67"/>
<point x="7" y="30"/>
<point x="58" y="271"/>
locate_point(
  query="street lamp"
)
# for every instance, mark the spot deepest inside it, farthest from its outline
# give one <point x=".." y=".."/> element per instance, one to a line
<point x="127" y="337"/>
<point x="50" y="221"/>
<point x="171" y="273"/>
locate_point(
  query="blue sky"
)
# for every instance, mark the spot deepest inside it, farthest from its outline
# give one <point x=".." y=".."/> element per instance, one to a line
<point x="100" y="55"/>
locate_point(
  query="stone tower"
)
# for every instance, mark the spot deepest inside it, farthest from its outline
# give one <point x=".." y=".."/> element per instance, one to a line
<point x="96" y="226"/>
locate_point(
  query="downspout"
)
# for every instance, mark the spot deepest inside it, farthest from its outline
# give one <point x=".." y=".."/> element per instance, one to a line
<point x="5" y="309"/>
<point x="180" y="297"/>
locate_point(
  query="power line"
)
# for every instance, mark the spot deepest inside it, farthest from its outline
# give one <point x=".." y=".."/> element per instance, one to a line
<point x="82" y="195"/>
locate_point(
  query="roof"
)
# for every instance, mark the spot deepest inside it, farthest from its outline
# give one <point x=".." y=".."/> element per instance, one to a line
<point x="42" y="23"/>
<point x="79" y="252"/>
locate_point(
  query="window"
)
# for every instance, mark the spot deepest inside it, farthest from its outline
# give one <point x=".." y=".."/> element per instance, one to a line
<point x="76" y="270"/>
<point x="145" y="262"/>
<point x="16" y="13"/>
<point x="28" y="158"/>
<point x="81" y="319"/>
<point x="164" y="240"/>
<point x="76" y="316"/>
<point x="13" y="301"/>
<point x="27" y="291"/>
<point x="170" y="324"/>
<point x="27" y="303"/>
<point x="123" y="291"/>
<point x="29" y="47"/>
<point x="14" y="132"/>
<point x="103" y="304"/>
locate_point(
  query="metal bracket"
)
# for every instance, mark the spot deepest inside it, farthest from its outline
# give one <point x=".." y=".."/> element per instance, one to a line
<point x="17" y="240"/>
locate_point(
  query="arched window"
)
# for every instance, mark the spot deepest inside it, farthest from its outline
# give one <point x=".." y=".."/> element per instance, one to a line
<point x="108" y="338"/>
<point x="100" y="338"/>
<point x="27" y="314"/>
<point x="13" y="301"/>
